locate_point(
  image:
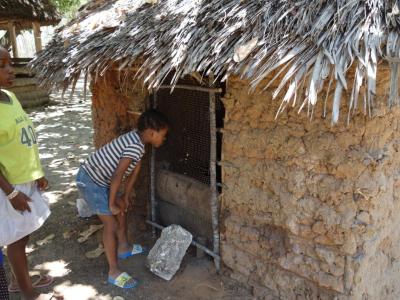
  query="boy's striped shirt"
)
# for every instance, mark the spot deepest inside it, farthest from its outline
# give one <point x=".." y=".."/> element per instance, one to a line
<point x="102" y="164"/>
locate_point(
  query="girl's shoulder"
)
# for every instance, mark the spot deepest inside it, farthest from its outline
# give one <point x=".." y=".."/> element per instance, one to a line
<point x="7" y="96"/>
<point x="8" y="93"/>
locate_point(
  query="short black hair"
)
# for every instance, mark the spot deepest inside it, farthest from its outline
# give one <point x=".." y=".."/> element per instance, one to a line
<point x="152" y="119"/>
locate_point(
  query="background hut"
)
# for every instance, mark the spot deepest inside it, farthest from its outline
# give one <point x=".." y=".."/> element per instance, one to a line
<point x="307" y="210"/>
<point x="16" y="16"/>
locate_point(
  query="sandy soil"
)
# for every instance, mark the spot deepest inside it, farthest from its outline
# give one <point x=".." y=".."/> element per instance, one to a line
<point x="65" y="138"/>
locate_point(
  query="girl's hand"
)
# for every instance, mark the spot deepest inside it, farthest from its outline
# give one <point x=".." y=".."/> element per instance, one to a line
<point x="21" y="202"/>
<point x="42" y="183"/>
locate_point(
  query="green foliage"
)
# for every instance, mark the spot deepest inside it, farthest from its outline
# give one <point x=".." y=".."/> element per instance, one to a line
<point x="68" y="8"/>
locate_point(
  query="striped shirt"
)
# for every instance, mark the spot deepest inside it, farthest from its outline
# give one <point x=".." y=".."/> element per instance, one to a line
<point x="102" y="164"/>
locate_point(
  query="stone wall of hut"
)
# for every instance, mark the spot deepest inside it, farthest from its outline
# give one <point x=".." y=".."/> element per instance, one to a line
<point x="115" y="110"/>
<point x="310" y="211"/>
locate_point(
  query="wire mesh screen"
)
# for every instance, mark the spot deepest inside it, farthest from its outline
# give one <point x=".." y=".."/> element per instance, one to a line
<point x="187" y="152"/>
<point x="187" y="149"/>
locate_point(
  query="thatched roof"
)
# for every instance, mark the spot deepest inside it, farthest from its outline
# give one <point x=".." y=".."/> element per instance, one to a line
<point x="28" y="11"/>
<point x="309" y="42"/>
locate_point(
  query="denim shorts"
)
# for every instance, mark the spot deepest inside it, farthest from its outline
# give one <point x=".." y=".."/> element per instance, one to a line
<point x="96" y="196"/>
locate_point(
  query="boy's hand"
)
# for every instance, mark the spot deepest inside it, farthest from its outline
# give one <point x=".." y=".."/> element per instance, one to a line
<point x="115" y="210"/>
<point x="21" y="202"/>
<point x="128" y="201"/>
<point x="128" y="204"/>
<point x="123" y="205"/>
<point x="42" y="183"/>
<point x="119" y="208"/>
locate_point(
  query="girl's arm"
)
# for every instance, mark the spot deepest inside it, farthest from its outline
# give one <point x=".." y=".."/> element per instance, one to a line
<point x="116" y="180"/>
<point x="5" y="185"/>
<point x="20" y="200"/>
<point x="131" y="182"/>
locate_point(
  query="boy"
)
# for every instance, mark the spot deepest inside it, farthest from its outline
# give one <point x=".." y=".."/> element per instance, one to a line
<point x="22" y="207"/>
<point x="100" y="178"/>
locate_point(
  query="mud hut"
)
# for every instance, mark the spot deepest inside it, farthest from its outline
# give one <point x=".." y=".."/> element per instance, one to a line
<point x="283" y="110"/>
<point x="18" y="15"/>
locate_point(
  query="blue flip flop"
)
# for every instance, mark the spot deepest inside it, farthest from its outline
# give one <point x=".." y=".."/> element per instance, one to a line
<point x="122" y="281"/>
<point x="136" y="249"/>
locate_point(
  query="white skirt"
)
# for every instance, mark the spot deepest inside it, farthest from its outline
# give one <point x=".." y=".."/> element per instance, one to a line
<point x="14" y="225"/>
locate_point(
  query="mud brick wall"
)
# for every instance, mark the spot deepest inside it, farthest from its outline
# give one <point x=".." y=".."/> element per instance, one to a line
<point x="115" y="110"/>
<point x="112" y="104"/>
<point x="310" y="210"/>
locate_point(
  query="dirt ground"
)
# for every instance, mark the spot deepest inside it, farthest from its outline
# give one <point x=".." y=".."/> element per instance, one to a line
<point x="65" y="138"/>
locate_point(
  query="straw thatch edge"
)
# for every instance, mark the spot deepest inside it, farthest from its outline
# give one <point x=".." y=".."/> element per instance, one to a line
<point x="310" y="44"/>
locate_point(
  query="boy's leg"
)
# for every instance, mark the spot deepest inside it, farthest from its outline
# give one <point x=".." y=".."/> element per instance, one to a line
<point x="123" y="244"/>
<point x="110" y="243"/>
<point x="19" y="262"/>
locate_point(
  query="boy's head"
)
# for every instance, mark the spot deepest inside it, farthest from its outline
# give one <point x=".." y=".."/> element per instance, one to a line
<point x="153" y="127"/>
<point x="6" y="71"/>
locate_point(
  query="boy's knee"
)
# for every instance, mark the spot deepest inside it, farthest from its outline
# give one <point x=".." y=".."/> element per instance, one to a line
<point x="121" y="226"/>
<point x="111" y="225"/>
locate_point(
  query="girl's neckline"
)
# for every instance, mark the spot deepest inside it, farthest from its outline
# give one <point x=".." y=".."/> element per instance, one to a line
<point x="5" y="98"/>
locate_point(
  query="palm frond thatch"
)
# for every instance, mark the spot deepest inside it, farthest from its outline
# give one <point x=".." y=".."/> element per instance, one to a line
<point x="29" y="10"/>
<point x="307" y="42"/>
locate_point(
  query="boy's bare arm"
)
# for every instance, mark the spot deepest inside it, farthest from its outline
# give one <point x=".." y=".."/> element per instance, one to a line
<point x="116" y="180"/>
<point x="131" y="182"/>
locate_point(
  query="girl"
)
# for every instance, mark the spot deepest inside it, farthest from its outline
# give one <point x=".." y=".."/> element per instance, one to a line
<point x="22" y="208"/>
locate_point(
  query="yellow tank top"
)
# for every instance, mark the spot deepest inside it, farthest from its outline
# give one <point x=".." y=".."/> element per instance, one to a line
<point x="19" y="154"/>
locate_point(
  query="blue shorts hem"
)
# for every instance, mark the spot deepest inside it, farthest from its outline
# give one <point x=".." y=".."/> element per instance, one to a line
<point x="96" y="196"/>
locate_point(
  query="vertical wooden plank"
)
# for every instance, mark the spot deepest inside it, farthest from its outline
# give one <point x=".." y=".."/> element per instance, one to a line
<point x="13" y="38"/>
<point x="213" y="175"/>
<point x="37" y="36"/>
<point x="153" y="203"/>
